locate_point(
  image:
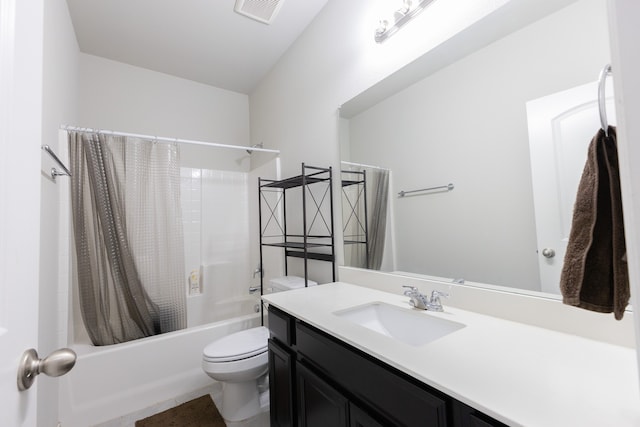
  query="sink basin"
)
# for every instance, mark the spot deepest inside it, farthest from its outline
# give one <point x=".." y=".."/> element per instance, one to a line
<point x="402" y="324"/>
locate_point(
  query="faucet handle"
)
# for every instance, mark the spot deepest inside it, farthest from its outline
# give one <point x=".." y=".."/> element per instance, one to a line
<point x="257" y="270"/>
<point x="435" y="295"/>
<point x="411" y="290"/>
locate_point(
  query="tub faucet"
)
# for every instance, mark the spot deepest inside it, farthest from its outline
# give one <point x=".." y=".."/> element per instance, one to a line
<point x="257" y="270"/>
<point x="421" y="302"/>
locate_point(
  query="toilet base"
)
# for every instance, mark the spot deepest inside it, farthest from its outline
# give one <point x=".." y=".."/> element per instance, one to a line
<point x="241" y="401"/>
<point x="260" y="420"/>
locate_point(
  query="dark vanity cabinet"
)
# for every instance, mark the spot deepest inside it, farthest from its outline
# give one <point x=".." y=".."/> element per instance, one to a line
<point x="317" y="380"/>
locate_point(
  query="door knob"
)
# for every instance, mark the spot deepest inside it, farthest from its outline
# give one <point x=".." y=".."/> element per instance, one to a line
<point x="57" y="363"/>
<point x="548" y="253"/>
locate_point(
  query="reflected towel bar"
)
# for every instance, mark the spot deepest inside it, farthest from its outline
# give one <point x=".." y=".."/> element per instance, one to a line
<point x="55" y="172"/>
<point x="447" y="187"/>
<point x="602" y="101"/>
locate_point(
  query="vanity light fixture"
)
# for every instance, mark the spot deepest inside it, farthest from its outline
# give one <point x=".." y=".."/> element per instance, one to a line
<point x="400" y="17"/>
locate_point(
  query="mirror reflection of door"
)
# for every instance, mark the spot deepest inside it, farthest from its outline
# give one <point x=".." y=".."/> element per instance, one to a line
<point x="561" y="127"/>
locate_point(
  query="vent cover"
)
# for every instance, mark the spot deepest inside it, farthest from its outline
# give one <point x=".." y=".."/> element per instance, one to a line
<point x="263" y="11"/>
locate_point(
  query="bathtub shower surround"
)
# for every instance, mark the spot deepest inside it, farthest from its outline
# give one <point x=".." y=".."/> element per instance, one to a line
<point x="216" y="185"/>
<point x="136" y="379"/>
<point x="127" y="228"/>
<point x="215" y="205"/>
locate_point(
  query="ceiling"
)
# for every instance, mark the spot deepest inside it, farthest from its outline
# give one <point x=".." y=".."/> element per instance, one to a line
<point x="199" y="40"/>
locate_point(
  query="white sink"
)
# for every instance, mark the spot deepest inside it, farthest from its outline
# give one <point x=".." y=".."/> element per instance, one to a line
<point x="403" y="324"/>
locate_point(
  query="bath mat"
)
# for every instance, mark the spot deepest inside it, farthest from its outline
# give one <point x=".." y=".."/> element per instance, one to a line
<point x="200" y="412"/>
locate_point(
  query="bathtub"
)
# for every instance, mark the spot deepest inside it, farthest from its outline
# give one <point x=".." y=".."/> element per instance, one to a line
<point x="113" y="381"/>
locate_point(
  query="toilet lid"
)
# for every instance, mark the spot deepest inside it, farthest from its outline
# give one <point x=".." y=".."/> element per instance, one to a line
<point x="239" y="345"/>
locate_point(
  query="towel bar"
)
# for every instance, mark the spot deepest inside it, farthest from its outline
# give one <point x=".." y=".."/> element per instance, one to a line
<point x="602" y="101"/>
<point x="55" y="172"/>
<point x="448" y="187"/>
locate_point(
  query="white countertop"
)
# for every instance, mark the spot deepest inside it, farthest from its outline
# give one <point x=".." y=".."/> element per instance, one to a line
<point x="516" y="373"/>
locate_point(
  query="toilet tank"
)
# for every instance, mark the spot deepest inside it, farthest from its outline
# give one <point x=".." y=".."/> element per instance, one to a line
<point x="287" y="283"/>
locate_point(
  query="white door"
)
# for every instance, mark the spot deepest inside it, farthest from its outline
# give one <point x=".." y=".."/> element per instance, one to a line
<point x="561" y="127"/>
<point x="20" y="134"/>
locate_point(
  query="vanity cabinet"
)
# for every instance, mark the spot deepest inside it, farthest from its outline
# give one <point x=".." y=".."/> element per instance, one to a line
<point x="326" y="382"/>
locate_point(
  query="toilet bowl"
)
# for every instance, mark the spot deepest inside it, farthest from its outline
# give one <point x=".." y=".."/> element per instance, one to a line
<point x="238" y="361"/>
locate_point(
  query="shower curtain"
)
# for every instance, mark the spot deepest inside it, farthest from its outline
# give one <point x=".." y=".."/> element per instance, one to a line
<point x="127" y="227"/>
<point x="377" y="207"/>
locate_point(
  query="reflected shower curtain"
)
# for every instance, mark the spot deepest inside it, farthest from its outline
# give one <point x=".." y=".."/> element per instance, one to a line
<point x="128" y="236"/>
<point x="377" y="207"/>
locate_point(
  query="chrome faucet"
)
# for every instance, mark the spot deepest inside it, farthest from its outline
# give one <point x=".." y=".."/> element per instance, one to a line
<point x="421" y="302"/>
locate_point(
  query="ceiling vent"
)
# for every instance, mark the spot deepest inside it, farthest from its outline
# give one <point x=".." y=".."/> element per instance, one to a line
<point x="263" y="11"/>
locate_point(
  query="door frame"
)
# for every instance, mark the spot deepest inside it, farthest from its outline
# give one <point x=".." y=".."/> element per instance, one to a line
<point x="21" y="65"/>
<point x="625" y="62"/>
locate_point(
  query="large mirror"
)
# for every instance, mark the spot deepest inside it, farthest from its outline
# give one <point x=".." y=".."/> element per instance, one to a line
<point x="480" y="123"/>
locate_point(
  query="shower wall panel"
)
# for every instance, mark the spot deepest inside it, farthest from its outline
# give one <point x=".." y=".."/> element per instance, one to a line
<point x="217" y="244"/>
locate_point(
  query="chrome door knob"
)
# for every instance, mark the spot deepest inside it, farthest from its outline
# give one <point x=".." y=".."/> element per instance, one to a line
<point x="548" y="253"/>
<point x="57" y="363"/>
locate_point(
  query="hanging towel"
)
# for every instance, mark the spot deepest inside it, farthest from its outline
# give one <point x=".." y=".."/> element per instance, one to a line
<point x="594" y="274"/>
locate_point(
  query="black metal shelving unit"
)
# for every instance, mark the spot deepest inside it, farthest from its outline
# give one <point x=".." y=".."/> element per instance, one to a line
<point x="356" y="218"/>
<point x="314" y="239"/>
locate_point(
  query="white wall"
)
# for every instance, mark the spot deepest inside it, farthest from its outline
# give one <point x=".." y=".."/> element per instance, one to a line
<point x="59" y="99"/>
<point x="121" y="97"/>
<point x="295" y="107"/>
<point x="467" y="124"/>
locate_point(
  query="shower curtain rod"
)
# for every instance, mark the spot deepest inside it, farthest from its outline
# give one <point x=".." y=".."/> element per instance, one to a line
<point x="166" y="139"/>
<point x="362" y="165"/>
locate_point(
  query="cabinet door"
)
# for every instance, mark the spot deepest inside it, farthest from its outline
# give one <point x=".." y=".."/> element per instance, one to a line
<point x="281" y="386"/>
<point x="319" y="404"/>
<point x="359" y="418"/>
<point x="466" y="416"/>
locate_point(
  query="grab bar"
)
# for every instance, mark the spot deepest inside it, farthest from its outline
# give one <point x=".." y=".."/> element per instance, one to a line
<point x="55" y="172"/>
<point x="602" y="101"/>
<point x="448" y="187"/>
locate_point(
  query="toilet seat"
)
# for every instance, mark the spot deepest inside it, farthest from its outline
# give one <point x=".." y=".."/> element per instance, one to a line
<point x="237" y="346"/>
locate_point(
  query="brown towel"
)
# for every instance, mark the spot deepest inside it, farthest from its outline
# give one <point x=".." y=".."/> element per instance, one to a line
<point x="594" y="275"/>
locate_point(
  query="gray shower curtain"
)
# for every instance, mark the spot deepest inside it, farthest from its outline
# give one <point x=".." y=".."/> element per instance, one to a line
<point x="377" y="208"/>
<point x="128" y="236"/>
<point x="378" y="218"/>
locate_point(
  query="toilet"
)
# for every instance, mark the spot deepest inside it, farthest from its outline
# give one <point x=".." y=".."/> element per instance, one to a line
<point x="239" y="361"/>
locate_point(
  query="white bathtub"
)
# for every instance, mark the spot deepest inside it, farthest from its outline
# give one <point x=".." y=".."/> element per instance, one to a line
<point x="112" y="381"/>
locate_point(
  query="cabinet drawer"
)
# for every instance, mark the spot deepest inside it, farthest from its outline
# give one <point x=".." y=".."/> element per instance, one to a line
<point x="281" y="326"/>
<point x="379" y="387"/>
